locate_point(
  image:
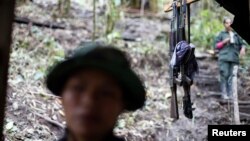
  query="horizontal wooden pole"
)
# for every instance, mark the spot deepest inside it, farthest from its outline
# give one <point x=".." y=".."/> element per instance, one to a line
<point x="169" y="7"/>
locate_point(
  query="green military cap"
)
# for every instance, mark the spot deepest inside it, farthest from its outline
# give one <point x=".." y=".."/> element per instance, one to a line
<point x="105" y="58"/>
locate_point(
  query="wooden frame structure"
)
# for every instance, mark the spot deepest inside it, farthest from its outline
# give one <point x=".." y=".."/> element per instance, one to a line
<point x="240" y="9"/>
<point x="6" y="17"/>
<point x="168" y="7"/>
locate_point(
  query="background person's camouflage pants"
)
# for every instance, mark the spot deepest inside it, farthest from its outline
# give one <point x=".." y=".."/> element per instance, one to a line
<point x="226" y="76"/>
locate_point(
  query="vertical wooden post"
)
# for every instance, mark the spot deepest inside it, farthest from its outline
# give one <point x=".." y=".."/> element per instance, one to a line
<point x="153" y="5"/>
<point x="6" y="19"/>
<point x="249" y="10"/>
<point x="64" y="7"/>
<point x="235" y="96"/>
<point x="143" y="3"/>
<point x="94" y="20"/>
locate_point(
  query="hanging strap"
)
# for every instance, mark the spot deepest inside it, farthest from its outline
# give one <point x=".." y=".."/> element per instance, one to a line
<point x="174" y="24"/>
<point x="183" y="12"/>
<point x="183" y="17"/>
<point x="180" y="25"/>
<point x="189" y="23"/>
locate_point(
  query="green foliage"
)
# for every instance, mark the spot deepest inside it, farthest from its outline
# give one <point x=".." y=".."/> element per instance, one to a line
<point x="63" y="8"/>
<point x="35" y="52"/>
<point x="245" y="62"/>
<point x="112" y="16"/>
<point x="162" y="4"/>
<point x="118" y="2"/>
<point x="49" y="42"/>
<point x="56" y="52"/>
<point x="21" y="2"/>
<point x="112" y="36"/>
<point x="205" y="28"/>
<point x="10" y="126"/>
<point x="23" y="43"/>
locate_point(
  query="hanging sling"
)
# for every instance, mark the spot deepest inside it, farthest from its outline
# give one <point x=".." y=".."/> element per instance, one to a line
<point x="183" y="64"/>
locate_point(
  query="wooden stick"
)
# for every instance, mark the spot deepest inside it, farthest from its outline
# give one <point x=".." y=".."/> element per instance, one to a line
<point x="143" y="3"/>
<point x="6" y="18"/>
<point x="94" y="20"/>
<point x="169" y="7"/>
<point x="245" y="115"/>
<point x="239" y="102"/>
<point x="22" y="20"/>
<point x="235" y="96"/>
<point x="244" y="107"/>
<point x="44" y="94"/>
<point x="50" y="120"/>
<point x="211" y="94"/>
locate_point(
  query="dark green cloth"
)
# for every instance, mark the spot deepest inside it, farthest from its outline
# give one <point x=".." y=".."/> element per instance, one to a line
<point x="228" y="58"/>
<point x="230" y="51"/>
<point x="226" y="75"/>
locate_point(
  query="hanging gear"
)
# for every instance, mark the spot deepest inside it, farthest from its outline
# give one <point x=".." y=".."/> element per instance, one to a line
<point x="183" y="64"/>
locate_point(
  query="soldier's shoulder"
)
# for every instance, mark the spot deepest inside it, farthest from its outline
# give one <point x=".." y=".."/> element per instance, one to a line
<point x="239" y="37"/>
<point x="221" y="33"/>
<point x="235" y="33"/>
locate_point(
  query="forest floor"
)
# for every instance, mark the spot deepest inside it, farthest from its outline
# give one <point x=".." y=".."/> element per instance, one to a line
<point x="34" y="114"/>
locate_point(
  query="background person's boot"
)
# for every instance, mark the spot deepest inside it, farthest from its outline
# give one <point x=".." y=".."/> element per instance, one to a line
<point x="229" y="91"/>
<point x="224" y="94"/>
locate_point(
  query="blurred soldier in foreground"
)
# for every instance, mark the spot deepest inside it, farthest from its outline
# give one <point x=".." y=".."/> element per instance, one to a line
<point x="96" y="84"/>
<point x="230" y="46"/>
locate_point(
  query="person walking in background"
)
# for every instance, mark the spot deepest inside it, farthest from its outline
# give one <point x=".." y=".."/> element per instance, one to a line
<point x="96" y="84"/>
<point x="231" y="47"/>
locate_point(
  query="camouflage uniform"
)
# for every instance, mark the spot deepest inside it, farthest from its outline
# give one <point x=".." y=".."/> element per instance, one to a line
<point x="228" y="59"/>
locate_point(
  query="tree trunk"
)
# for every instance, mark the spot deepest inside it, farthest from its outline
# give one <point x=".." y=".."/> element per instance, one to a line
<point x="153" y="4"/>
<point x="112" y="16"/>
<point x="137" y="4"/>
<point x="64" y="7"/>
